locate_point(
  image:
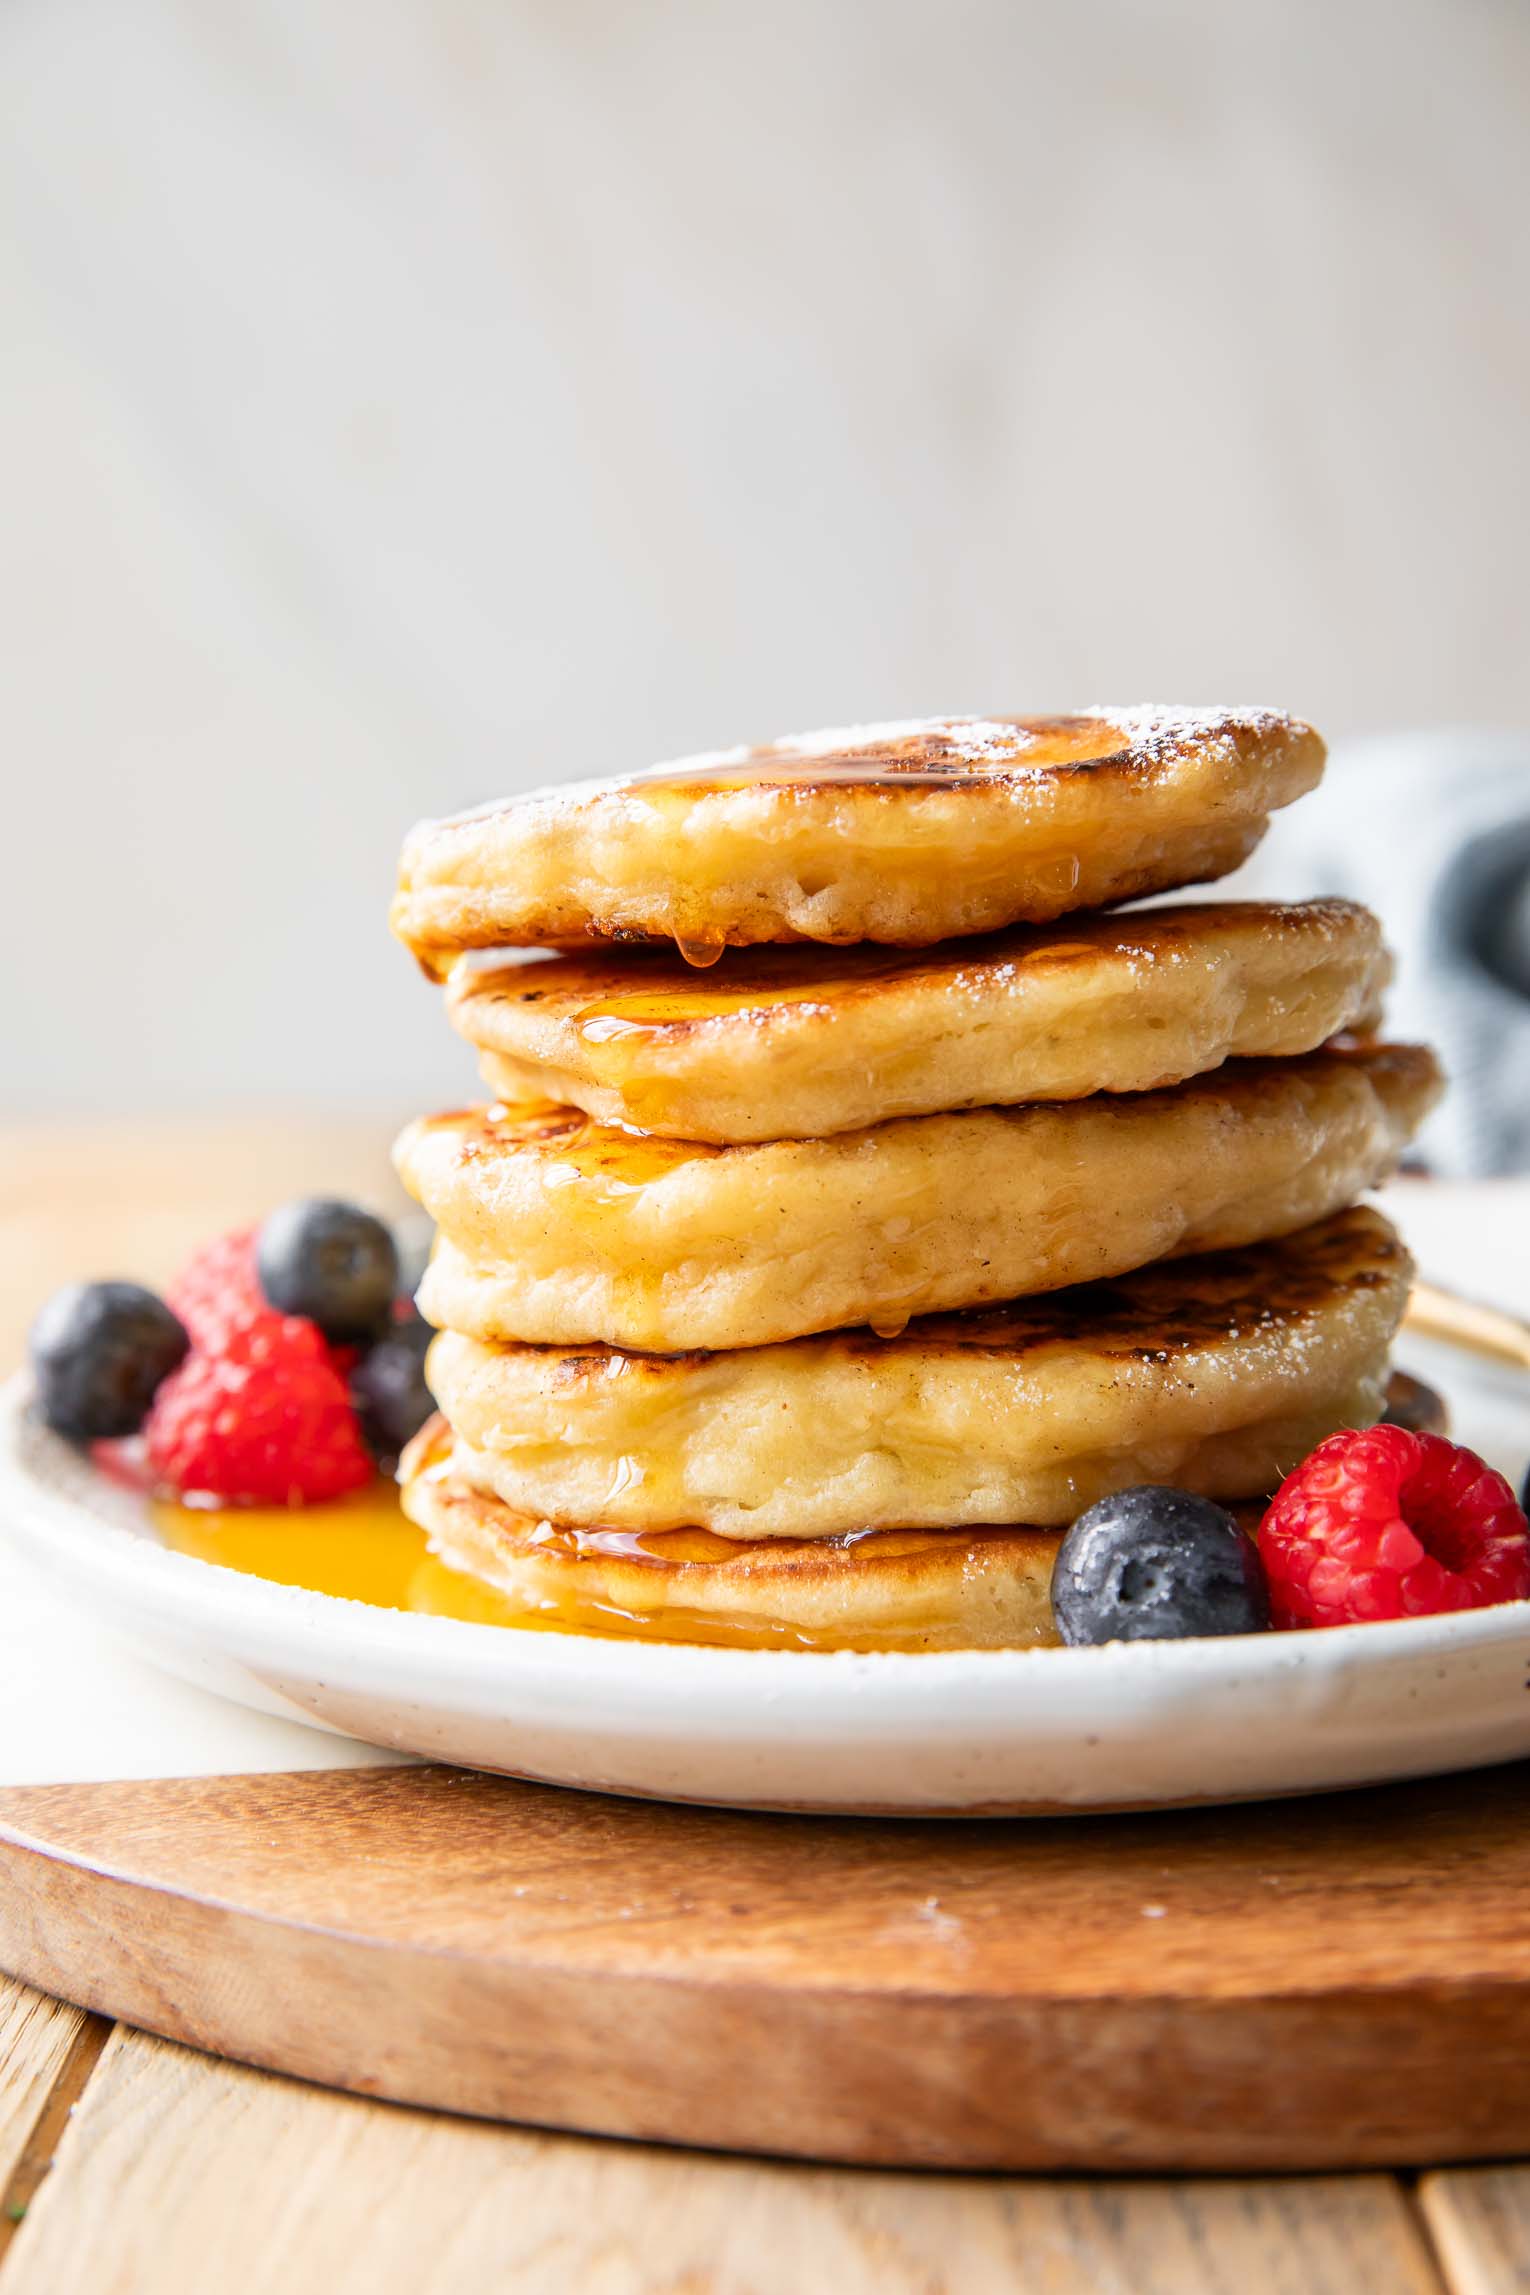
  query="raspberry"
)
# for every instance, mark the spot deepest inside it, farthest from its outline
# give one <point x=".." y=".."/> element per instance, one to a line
<point x="218" y="1290"/>
<point x="263" y="1420"/>
<point x="1388" y="1524"/>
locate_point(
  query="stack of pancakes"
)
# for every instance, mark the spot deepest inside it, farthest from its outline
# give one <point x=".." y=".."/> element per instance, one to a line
<point x="853" y="1209"/>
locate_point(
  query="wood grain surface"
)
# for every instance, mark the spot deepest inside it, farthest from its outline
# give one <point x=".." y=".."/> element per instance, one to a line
<point x="1480" y="2222"/>
<point x="437" y="2206"/>
<point x="1336" y="1982"/>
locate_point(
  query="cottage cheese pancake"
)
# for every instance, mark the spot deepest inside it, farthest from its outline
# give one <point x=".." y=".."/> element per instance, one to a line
<point x="793" y="1043"/>
<point x="916" y="1590"/>
<point x="883" y="1590"/>
<point x="906" y="833"/>
<point x="558" y="1230"/>
<point x="1214" y="1374"/>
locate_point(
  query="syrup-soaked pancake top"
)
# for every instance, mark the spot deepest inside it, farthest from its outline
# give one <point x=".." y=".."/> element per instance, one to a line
<point x="907" y="833"/>
<point x="794" y="1043"/>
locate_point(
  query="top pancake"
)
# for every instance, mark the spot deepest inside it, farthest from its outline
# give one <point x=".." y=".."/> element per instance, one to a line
<point x="906" y="833"/>
<point x="799" y="1043"/>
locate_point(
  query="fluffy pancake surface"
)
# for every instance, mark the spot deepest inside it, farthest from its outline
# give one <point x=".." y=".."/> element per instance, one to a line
<point x="1215" y="1374"/>
<point x="906" y="833"/>
<point x="558" y="1230"/>
<point x="794" y="1043"/>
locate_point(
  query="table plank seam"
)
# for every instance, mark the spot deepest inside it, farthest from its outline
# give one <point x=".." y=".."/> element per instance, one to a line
<point x="47" y="2130"/>
<point x="1408" y="2191"/>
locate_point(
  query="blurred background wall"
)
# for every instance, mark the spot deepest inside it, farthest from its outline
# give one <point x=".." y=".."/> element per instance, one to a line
<point x="402" y="400"/>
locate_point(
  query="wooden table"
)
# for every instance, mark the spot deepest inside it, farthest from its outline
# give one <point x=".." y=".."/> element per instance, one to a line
<point x="132" y="2167"/>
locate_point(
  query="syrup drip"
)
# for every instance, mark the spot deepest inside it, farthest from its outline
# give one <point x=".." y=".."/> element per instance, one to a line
<point x="699" y="950"/>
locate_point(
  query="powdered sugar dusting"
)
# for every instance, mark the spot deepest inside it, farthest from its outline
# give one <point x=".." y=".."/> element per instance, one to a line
<point x="1154" y="727"/>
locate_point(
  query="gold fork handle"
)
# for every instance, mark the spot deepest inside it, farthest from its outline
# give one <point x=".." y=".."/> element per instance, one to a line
<point x="1438" y="1314"/>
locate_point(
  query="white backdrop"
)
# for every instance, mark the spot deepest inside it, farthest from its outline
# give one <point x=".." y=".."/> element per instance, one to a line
<point x="401" y="399"/>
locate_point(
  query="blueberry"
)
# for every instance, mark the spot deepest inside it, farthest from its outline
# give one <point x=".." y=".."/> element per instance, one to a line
<point x="331" y="1262"/>
<point x="1152" y="1564"/>
<point x="99" y="1351"/>
<point x="389" y="1391"/>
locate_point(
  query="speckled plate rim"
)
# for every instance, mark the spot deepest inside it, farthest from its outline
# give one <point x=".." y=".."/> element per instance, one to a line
<point x="963" y="1732"/>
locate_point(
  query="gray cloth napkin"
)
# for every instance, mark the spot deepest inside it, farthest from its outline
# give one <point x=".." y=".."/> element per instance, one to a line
<point x="1432" y="830"/>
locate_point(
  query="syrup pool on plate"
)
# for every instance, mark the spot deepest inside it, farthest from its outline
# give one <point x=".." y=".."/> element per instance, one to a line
<point x="361" y="1548"/>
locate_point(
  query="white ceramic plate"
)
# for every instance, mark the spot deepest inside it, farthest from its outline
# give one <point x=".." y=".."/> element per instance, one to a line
<point x="962" y="1733"/>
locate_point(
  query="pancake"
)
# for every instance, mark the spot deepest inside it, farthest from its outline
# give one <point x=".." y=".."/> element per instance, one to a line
<point x="557" y="1230"/>
<point x="907" y="833"/>
<point x="795" y="1043"/>
<point x="914" y="1590"/>
<point x="1413" y="1405"/>
<point x="883" y="1590"/>
<point x="1215" y="1374"/>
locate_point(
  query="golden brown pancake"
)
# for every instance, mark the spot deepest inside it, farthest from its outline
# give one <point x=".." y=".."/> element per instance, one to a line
<point x="914" y="1590"/>
<point x="906" y="833"/>
<point x="558" y="1230"/>
<point x="1216" y="1374"/>
<point x="794" y="1043"/>
<point x="886" y="1590"/>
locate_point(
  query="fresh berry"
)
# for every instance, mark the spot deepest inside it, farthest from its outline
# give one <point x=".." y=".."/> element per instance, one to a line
<point x="99" y="1351"/>
<point x="331" y="1262"/>
<point x="1388" y="1524"/>
<point x="389" y="1391"/>
<point x="218" y="1290"/>
<point x="1152" y="1564"/>
<point x="266" y="1420"/>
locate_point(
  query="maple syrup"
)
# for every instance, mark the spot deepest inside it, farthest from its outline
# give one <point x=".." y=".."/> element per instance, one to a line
<point x="362" y="1548"/>
<point x="640" y="1016"/>
<point x="608" y="1160"/>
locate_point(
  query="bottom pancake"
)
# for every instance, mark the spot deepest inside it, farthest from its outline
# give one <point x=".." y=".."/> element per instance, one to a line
<point x="871" y="1590"/>
<point x="905" y="1590"/>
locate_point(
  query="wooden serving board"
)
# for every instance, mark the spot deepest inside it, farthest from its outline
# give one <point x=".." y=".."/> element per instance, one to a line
<point x="1326" y="1983"/>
